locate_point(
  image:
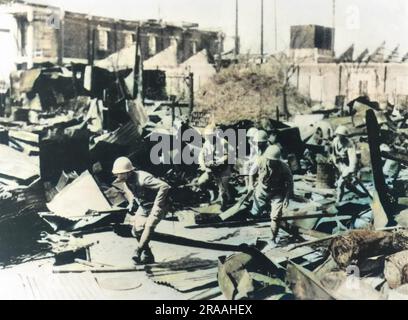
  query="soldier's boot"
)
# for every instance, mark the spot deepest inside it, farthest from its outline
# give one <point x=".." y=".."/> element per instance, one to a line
<point x="143" y="256"/>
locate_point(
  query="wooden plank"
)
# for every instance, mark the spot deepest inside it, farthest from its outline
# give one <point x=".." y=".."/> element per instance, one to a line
<point x="238" y="207"/>
<point x="305" y="285"/>
<point x="280" y="255"/>
<point x="373" y="132"/>
<point x="246" y="223"/>
<point x="79" y="268"/>
<point x="313" y="233"/>
<point x="25" y="136"/>
<point x="308" y="243"/>
<point x="308" y="188"/>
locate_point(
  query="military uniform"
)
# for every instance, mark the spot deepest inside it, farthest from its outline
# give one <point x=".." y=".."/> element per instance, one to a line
<point x="274" y="186"/>
<point x="213" y="162"/>
<point x="344" y="157"/>
<point x="150" y="196"/>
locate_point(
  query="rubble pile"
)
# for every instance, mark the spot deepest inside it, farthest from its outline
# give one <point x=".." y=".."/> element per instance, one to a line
<point x="341" y="238"/>
<point x="247" y="93"/>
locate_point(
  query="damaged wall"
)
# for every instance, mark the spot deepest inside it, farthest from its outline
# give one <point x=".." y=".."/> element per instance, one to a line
<point x="46" y="33"/>
<point x="9" y="52"/>
<point x="380" y="81"/>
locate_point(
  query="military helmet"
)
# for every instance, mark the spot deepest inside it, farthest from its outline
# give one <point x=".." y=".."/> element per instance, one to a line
<point x="122" y="165"/>
<point x="261" y="136"/>
<point x="252" y="132"/>
<point x="273" y="153"/>
<point x="341" y="131"/>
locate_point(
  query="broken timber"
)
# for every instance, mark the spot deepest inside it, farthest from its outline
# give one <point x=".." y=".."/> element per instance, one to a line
<point x="78" y="268"/>
<point x="385" y="198"/>
<point x="305" y="285"/>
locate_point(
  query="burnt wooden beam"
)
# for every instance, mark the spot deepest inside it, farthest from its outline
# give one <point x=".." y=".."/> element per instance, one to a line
<point x="247" y="223"/>
<point x="399" y="157"/>
<point x="373" y="132"/>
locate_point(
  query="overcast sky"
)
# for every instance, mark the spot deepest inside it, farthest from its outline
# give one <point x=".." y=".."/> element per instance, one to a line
<point x="366" y="23"/>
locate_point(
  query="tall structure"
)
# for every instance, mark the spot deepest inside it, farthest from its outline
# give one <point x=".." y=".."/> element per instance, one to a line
<point x="262" y="31"/>
<point x="334" y="24"/>
<point x="237" y="40"/>
<point x="311" y="43"/>
<point x="276" y="25"/>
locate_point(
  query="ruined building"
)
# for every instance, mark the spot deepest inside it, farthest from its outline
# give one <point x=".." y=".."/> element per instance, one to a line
<point x="36" y="34"/>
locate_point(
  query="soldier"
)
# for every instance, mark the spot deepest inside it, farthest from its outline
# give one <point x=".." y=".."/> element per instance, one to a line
<point x="274" y="188"/>
<point x="258" y="143"/>
<point x="344" y="157"/>
<point x="3" y="94"/>
<point x="266" y="126"/>
<point x="213" y="162"/>
<point x="147" y="198"/>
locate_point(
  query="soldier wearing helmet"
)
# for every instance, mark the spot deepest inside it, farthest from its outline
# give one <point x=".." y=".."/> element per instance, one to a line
<point x="213" y="162"/>
<point x="147" y="197"/>
<point x="273" y="188"/>
<point x="266" y="125"/>
<point x="344" y="157"/>
<point x="258" y="142"/>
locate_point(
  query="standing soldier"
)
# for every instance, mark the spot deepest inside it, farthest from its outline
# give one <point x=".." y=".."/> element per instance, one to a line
<point x="147" y="197"/>
<point x="274" y="188"/>
<point x="253" y="151"/>
<point x="344" y="157"/>
<point x="3" y="92"/>
<point x="213" y="162"/>
<point x="258" y="144"/>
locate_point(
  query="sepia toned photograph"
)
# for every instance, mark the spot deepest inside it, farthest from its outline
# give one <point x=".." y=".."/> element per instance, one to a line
<point x="210" y="150"/>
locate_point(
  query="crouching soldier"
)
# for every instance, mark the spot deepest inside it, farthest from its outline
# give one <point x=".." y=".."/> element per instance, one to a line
<point x="344" y="157"/>
<point x="147" y="198"/>
<point x="274" y="188"/>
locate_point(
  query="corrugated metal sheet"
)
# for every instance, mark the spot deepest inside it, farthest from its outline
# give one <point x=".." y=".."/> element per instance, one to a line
<point x="20" y="286"/>
<point x="125" y="136"/>
<point x="77" y="198"/>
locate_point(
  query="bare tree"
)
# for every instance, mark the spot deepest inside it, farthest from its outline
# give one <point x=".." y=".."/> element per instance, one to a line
<point x="285" y="69"/>
<point x="286" y="65"/>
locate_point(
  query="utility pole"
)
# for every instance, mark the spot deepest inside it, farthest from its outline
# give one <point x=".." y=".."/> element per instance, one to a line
<point x="237" y="44"/>
<point x="138" y="68"/>
<point x="191" y="91"/>
<point x="262" y="31"/>
<point x="334" y="24"/>
<point x="276" y="26"/>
